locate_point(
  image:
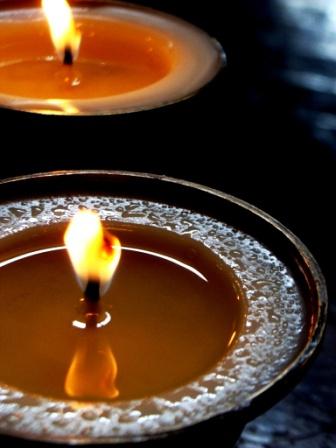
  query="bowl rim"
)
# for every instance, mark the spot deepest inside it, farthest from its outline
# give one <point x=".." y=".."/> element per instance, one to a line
<point x="313" y="339"/>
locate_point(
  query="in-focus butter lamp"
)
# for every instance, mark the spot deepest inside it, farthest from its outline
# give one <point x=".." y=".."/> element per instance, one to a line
<point x="187" y="306"/>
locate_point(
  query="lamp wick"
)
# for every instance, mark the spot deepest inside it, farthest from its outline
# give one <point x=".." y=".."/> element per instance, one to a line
<point x="92" y="291"/>
<point x="68" y="56"/>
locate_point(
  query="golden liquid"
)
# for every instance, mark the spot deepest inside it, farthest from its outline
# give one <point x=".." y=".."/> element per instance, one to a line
<point x="114" y="58"/>
<point x="169" y="324"/>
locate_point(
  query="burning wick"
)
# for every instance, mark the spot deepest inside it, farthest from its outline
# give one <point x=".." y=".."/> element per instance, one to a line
<point x="65" y="37"/>
<point x="94" y="255"/>
<point x="93" y="252"/>
<point x="91" y="292"/>
<point x="68" y="57"/>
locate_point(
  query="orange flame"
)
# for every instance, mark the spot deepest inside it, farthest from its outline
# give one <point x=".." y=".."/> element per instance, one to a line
<point x="93" y="252"/>
<point x="62" y="27"/>
<point x="93" y="370"/>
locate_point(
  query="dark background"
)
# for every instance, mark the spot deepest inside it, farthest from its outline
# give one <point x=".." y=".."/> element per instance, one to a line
<point x="264" y="131"/>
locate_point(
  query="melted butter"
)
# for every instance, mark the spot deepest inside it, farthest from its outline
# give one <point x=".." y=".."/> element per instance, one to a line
<point x="175" y="307"/>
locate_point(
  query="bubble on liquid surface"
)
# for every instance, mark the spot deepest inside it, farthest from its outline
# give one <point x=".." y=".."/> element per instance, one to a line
<point x="268" y="342"/>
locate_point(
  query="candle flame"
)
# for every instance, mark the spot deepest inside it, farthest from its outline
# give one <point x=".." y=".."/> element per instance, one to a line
<point x="93" y="370"/>
<point x="94" y="253"/>
<point x="63" y="32"/>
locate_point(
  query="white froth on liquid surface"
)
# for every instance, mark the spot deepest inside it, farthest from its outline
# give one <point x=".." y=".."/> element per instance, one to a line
<point x="270" y="340"/>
